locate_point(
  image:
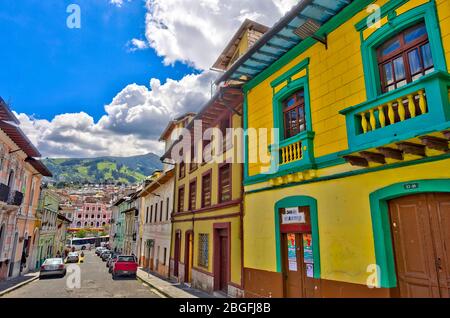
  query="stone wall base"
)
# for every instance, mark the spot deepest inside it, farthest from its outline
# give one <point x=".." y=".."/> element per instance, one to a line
<point x="202" y="281"/>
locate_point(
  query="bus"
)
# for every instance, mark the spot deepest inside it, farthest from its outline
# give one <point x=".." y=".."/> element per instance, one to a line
<point x="81" y="244"/>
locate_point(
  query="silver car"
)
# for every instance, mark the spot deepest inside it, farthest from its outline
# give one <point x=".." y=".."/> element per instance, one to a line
<point x="53" y="267"/>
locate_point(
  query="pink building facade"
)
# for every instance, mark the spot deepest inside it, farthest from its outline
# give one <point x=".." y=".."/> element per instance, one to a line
<point x="92" y="215"/>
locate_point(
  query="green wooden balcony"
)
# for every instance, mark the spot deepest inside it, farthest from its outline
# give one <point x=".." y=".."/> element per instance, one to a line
<point x="416" y="109"/>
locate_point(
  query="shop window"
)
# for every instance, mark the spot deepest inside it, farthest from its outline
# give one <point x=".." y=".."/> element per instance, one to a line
<point x="192" y="195"/>
<point x="405" y="58"/>
<point x="294" y="119"/>
<point x="225" y="183"/>
<point x="203" y="250"/>
<point x="181" y="199"/>
<point x="206" y="190"/>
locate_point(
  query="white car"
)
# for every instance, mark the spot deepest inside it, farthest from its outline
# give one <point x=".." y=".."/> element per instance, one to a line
<point x="53" y="267"/>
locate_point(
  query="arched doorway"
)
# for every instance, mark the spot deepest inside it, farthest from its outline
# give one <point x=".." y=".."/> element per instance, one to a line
<point x="2" y="237"/>
<point x="188" y="256"/>
<point x="11" y="179"/>
<point x="13" y="255"/>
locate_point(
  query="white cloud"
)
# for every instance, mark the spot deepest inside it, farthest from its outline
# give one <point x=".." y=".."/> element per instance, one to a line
<point x="196" y="31"/>
<point x="118" y="3"/>
<point x="132" y="124"/>
<point x="137" y="45"/>
<point x="190" y="31"/>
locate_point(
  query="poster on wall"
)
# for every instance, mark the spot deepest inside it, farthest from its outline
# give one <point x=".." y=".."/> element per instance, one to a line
<point x="292" y="253"/>
<point x="310" y="270"/>
<point x="308" y="255"/>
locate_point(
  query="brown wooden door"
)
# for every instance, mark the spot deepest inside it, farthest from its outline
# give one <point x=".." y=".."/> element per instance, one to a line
<point x="439" y="205"/>
<point x="188" y="257"/>
<point x="293" y="269"/>
<point x="177" y="253"/>
<point x="223" y="282"/>
<point x="420" y="228"/>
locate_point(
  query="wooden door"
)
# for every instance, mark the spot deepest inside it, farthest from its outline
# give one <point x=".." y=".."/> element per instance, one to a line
<point x="224" y="261"/>
<point x="420" y="229"/>
<point x="293" y="268"/>
<point x="188" y="259"/>
<point x="439" y="205"/>
<point x="177" y="253"/>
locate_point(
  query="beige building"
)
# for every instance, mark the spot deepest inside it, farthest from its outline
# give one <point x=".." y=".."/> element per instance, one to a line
<point x="20" y="184"/>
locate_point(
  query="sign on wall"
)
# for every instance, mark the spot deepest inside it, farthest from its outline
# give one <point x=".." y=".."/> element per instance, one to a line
<point x="293" y="216"/>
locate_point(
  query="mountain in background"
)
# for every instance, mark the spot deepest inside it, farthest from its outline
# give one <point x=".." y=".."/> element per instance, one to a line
<point x="125" y="170"/>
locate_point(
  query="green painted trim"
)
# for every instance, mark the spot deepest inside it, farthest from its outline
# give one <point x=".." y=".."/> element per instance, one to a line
<point x="299" y="201"/>
<point x="426" y="12"/>
<point x="379" y="208"/>
<point x="293" y="71"/>
<point x="347" y="13"/>
<point x="385" y="10"/>
<point x="351" y="173"/>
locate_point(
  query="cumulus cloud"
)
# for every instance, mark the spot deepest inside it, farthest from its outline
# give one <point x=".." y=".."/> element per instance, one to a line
<point x="132" y="123"/>
<point x="180" y="30"/>
<point x="137" y="45"/>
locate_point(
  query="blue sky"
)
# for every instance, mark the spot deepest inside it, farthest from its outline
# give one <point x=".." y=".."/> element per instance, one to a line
<point x="49" y="69"/>
<point x="83" y="93"/>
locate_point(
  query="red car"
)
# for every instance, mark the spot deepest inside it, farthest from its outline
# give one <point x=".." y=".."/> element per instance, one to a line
<point x="125" y="266"/>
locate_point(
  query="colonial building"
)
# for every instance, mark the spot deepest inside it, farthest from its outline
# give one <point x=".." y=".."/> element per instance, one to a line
<point x="130" y="210"/>
<point x="61" y="236"/>
<point x="47" y="214"/>
<point x="95" y="214"/>
<point x="157" y="199"/>
<point x="348" y="185"/>
<point x="207" y="221"/>
<point x="20" y="182"/>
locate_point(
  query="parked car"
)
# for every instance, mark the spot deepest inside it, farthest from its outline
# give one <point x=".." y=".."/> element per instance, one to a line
<point x="111" y="258"/>
<point x="103" y="252"/>
<point x="53" y="267"/>
<point x="124" y="266"/>
<point x="73" y="257"/>
<point x="99" y="250"/>
<point x="106" y="255"/>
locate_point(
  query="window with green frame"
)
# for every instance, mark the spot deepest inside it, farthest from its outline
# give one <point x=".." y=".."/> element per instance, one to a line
<point x="406" y="48"/>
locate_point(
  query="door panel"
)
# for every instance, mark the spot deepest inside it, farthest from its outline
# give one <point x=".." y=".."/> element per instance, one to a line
<point x="223" y="286"/>
<point x="439" y="205"/>
<point x="414" y="249"/>
<point x="293" y="267"/>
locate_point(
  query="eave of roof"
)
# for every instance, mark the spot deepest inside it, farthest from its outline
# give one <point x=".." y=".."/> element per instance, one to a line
<point x="19" y="138"/>
<point x="164" y="178"/>
<point x="281" y="38"/>
<point x="204" y="115"/>
<point x="6" y="114"/>
<point x="232" y="45"/>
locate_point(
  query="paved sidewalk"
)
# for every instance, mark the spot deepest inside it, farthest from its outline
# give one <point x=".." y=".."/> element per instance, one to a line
<point x="170" y="289"/>
<point x="15" y="283"/>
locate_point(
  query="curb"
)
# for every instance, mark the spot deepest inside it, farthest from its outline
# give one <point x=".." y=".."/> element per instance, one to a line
<point x="163" y="293"/>
<point x="7" y="291"/>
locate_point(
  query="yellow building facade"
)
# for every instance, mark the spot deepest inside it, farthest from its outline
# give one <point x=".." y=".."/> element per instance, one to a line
<point x="354" y="117"/>
<point x="207" y="237"/>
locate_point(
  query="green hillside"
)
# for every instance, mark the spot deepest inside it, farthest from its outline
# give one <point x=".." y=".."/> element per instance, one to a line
<point x="105" y="169"/>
